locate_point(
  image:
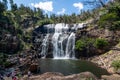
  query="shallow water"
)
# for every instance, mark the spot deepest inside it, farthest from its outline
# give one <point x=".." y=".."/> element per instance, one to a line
<point x="69" y="66"/>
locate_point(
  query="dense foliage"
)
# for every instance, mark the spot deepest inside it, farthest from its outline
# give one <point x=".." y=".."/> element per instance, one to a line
<point x="111" y="19"/>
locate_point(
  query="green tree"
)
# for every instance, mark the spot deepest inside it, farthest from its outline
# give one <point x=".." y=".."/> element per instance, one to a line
<point x="5" y="4"/>
<point x="111" y="18"/>
<point x="13" y="5"/>
<point x="2" y="7"/>
<point x="40" y="14"/>
<point x="53" y="17"/>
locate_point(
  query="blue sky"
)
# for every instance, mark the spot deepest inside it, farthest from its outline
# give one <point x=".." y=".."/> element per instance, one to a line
<point x="57" y="6"/>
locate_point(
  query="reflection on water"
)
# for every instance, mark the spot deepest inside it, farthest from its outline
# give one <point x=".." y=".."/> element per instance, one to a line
<point x="68" y="66"/>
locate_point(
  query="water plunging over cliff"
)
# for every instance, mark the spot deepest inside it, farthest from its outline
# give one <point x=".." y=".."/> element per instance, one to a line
<point x="63" y="42"/>
<point x="45" y="45"/>
<point x="62" y="39"/>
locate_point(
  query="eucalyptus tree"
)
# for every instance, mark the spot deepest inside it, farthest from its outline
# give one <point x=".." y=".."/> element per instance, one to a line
<point x="13" y="5"/>
<point x="2" y="8"/>
<point x="5" y="4"/>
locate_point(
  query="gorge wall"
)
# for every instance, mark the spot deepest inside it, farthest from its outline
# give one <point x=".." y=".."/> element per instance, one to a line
<point x="52" y="40"/>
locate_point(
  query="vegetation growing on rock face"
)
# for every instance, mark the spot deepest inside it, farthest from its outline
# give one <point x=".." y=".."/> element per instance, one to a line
<point x="91" y="45"/>
<point x="84" y="43"/>
<point x="100" y="43"/>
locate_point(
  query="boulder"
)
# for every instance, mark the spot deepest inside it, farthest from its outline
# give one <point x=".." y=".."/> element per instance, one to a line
<point x="59" y="76"/>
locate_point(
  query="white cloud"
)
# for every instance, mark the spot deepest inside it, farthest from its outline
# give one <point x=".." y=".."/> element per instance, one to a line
<point x="61" y="12"/>
<point x="46" y="6"/>
<point x="78" y="5"/>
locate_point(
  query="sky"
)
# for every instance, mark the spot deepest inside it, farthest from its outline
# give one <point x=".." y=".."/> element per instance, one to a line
<point x="58" y="7"/>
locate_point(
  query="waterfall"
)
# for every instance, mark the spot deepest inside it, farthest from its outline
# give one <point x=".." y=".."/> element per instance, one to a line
<point x="57" y="40"/>
<point x="62" y="39"/>
<point x="45" y="46"/>
<point x="45" y="41"/>
<point x="70" y="46"/>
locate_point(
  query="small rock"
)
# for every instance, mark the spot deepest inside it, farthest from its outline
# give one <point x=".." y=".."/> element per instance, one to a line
<point x="111" y="70"/>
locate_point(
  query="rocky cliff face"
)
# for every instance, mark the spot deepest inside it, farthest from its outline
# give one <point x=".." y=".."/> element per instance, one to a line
<point x="9" y="42"/>
<point x="89" y="32"/>
<point x="94" y="32"/>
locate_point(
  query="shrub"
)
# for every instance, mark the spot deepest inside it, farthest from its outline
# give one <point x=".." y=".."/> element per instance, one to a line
<point x="101" y="43"/>
<point x="80" y="44"/>
<point x="83" y="43"/>
<point x="7" y="63"/>
<point x="115" y="26"/>
<point x="116" y="64"/>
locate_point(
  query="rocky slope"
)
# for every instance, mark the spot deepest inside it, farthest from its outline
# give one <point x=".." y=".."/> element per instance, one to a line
<point x="105" y="60"/>
<point x="105" y="56"/>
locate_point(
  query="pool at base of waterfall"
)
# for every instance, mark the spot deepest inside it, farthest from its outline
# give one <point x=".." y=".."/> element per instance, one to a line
<point x="70" y="66"/>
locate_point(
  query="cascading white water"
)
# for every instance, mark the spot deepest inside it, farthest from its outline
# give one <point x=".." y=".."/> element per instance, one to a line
<point x="63" y="41"/>
<point x="45" y="46"/>
<point x="70" y="46"/>
<point x="57" y="40"/>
